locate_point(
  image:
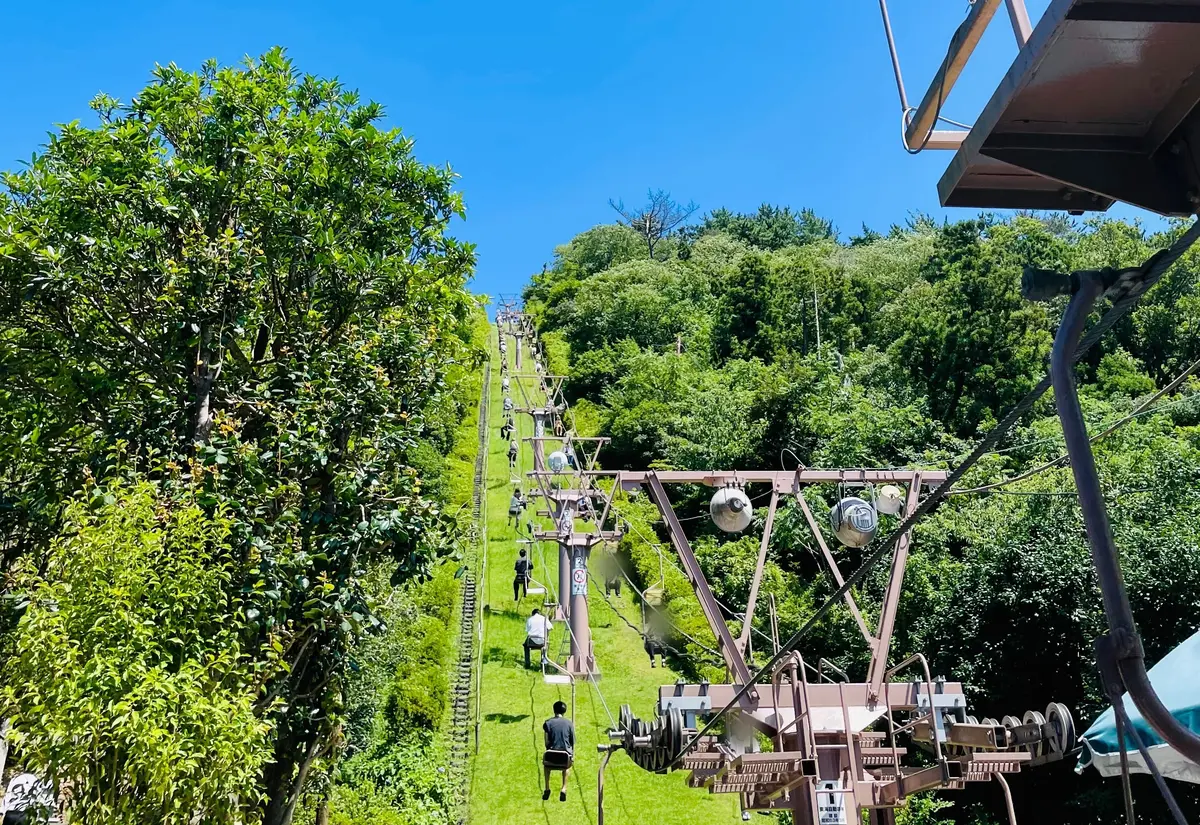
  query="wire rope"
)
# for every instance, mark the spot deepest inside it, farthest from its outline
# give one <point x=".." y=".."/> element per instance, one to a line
<point x="1144" y="408"/>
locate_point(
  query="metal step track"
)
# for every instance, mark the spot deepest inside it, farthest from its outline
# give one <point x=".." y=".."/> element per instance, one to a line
<point x="463" y="693"/>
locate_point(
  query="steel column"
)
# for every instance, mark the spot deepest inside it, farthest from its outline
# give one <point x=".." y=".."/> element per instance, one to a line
<point x="1122" y="646"/>
<point x="582" y="660"/>
<point x="708" y="603"/>
<point x="744" y="638"/>
<point x="833" y="568"/>
<point x="891" y="599"/>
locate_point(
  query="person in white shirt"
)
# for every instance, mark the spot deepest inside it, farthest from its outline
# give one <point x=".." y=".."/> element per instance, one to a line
<point x="537" y="632"/>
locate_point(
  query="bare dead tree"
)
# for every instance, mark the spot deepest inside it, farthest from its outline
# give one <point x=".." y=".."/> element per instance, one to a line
<point x="656" y="219"/>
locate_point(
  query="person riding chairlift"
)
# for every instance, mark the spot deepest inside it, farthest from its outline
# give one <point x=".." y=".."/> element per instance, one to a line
<point x="559" y="735"/>
<point x="516" y="505"/>
<point x="512" y="454"/>
<point x="522" y="573"/>
<point x="537" y="632"/>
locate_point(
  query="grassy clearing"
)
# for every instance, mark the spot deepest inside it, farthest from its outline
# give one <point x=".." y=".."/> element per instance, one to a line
<point x="506" y="775"/>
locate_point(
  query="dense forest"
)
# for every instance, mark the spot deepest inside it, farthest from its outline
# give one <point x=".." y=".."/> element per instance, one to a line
<point x="766" y="340"/>
<point x="238" y="372"/>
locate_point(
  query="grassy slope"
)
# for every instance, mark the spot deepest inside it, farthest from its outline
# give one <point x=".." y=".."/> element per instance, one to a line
<point x="506" y="775"/>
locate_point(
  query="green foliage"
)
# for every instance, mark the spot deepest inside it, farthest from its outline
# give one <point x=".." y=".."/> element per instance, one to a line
<point x="1120" y="374"/>
<point x="401" y="784"/>
<point x="740" y="327"/>
<point x="242" y="277"/>
<point x="130" y="679"/>
<point x="771" y="228"/>
<point x="923" y="809"/>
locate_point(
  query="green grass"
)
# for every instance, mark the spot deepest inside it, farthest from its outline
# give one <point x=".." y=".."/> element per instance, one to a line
<point x="506" y="775"/>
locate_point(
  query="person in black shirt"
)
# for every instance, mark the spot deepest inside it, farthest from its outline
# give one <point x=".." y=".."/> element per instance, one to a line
<point x="560" y="748"/>
<point x="523" y="570"/>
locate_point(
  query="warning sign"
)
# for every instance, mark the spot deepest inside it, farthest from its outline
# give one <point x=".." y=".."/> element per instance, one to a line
<point x="579" y="582"/>
<point x="831" y="807"/>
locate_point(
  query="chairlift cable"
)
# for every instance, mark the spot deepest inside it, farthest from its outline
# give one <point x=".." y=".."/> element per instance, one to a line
<point x="658" y="549"/>
<point x="1143" y="409"/>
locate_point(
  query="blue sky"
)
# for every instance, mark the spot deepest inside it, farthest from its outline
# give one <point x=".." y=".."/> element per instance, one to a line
<point x="547" y="110"/>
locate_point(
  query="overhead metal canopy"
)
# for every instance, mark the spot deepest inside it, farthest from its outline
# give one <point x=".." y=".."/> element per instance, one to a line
<point x="1099" y="106"/>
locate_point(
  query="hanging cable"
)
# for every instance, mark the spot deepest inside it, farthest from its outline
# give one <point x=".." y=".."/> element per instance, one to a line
<point x="1168" y="797"/>
<point x="719" y="662"/>
<point x="1154" y="270"/>
<point x="1142" y="409"/>
<point x="657" y="546"/>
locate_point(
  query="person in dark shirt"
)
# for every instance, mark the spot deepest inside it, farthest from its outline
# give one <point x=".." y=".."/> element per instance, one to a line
<point x="523" y="570"/>
<point x="560" y="748"/>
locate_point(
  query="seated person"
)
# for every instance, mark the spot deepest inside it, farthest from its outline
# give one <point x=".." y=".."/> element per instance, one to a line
<point x="537" y="633"/>
<point x="516" y="505"/>
<point x="560" y="748"/>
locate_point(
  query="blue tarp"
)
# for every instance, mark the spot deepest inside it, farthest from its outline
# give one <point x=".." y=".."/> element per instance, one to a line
<point x="1176" y="680"/>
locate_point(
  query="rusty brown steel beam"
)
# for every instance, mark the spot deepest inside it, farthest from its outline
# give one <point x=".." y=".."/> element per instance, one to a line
<point x="901" y="696"/>
<point x="785" y="481"/>
<point x="744" y="638"/>
<point x="891" y="599"/>
<point x="708" y="602"/>
<point x="935" y="776"/>
<point x="837" y="573"/>
<point x="962" y="44"/>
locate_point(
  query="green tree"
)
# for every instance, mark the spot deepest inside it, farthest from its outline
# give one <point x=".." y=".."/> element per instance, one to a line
<point x="741" y="313"/>
<point x="966" y="337"/>
<point x="130" y="680"/>
<point x="772" y="227"/>
<point x="243" y="274"/>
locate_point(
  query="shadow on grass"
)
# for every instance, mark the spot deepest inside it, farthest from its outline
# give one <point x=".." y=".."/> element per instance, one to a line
<point x="506" y="718"/>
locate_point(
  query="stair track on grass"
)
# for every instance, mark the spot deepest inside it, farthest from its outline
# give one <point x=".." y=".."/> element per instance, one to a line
<point x="466" y="682"/>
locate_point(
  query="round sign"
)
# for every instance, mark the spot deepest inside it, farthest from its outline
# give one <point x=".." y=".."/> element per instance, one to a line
<point x="580" y="576"/>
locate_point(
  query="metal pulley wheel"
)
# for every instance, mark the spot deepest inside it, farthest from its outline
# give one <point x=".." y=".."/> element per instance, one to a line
<point x="665" y="735"/>
<point x="1032" y="717"/>
<point x="853" y="521"/>
<point x="971" y="720"/>
<point x="731" y="510"/>
<point x="1064" y="727"/>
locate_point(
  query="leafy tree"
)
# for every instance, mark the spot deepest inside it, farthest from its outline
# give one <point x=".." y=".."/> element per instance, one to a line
<point x="130" y="681"/>
<point x="772" y="227"/>
<point x="741" y="312"/>
<point x="965" y="336"/>
<point x="599" y="248"/>
<point x="647" y="302"/>
<point x="241" y="274"/>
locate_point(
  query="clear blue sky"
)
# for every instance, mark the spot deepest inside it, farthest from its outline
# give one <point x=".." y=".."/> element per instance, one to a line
<point x="549" y="109"/>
